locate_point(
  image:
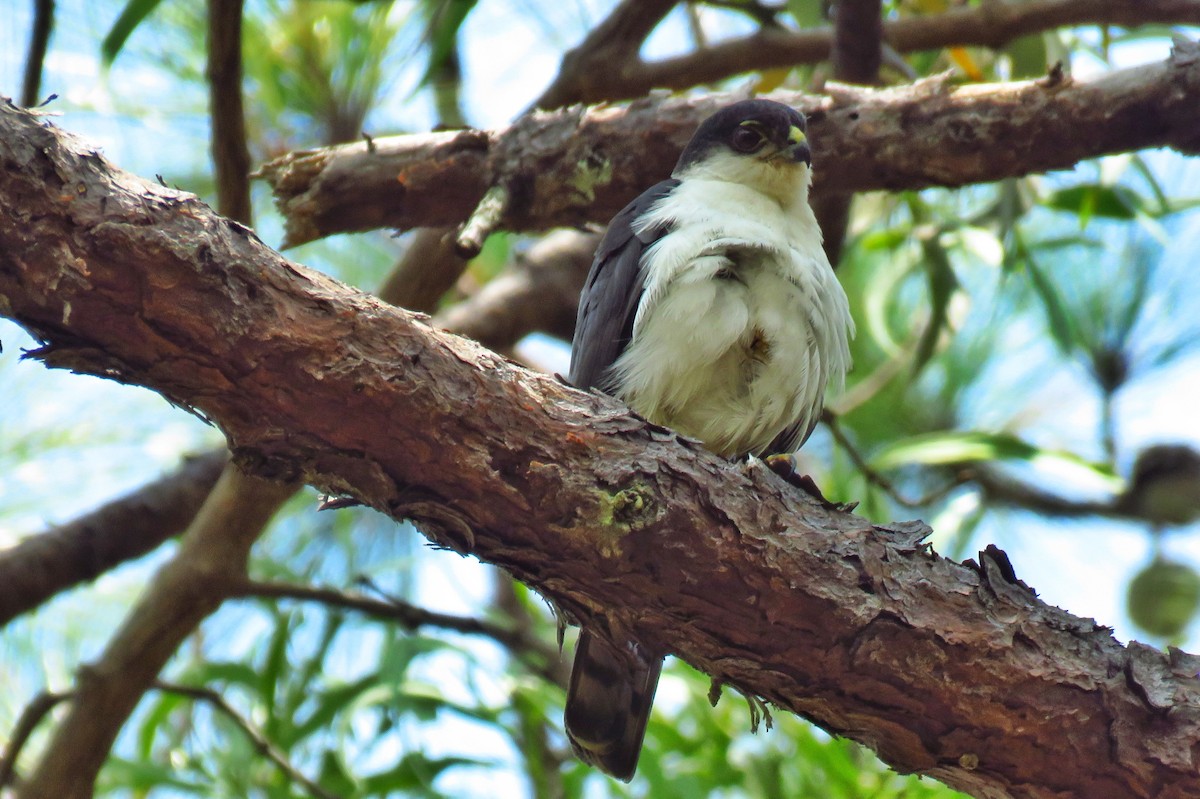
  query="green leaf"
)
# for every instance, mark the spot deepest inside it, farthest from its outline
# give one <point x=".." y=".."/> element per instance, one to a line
<point x="135" y="778"/>
<point x="942" y="284"/>
<point x="957" y="447"/>
<point x="273" y="670"/>
<point x="154" y="720"/>
<point x="445" y="20"/>
<point x="131" y="16"/>
<point x="1058" y="319"/>
<point x="1028" y="56"/>
<point x="1094" y="199"/>
<point x="329" y="704"/>
<point x="940" y="449"/>
<point x="230" y="672"/>
<point x="1061" y="243"/>
<point x="806" y="13"/>
<point x="335" y="776"/>
<point x="414" y="773"/>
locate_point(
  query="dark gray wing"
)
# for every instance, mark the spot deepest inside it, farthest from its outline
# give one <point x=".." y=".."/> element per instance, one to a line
<point x="610" y="296"/>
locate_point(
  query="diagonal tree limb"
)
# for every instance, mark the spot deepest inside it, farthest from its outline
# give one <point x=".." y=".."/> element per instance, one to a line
<point x="427" y="270"/>
<point x="538" y="294"/>
<point x="62" y="557"/>
<point x="607" y="57"/>
<point x="583" y="164"/>
<point x="988" y="24"/>
<point x="952" y="670"/>
<point x="212" y="555"/>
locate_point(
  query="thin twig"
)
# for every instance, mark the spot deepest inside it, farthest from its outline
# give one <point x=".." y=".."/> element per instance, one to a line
<point x="878" y="480"/>
<point x="484" y="219"/>
<point x="410" y="616"/>
<point x="259" y="740"/>
<point x="31" y="716"/>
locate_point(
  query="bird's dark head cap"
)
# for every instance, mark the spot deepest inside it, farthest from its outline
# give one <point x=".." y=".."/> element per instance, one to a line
<point x="754" y="128"/>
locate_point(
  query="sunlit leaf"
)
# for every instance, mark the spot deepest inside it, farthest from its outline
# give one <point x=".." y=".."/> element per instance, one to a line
<point x="940" y="449"/>
<point x="966" y="62"/>
<point x="954" y="447"/>
<point x="979" y="242"/>
<point x="769" y="80"/>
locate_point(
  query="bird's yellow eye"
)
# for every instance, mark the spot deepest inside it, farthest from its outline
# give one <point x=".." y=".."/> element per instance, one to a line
<point x="747" y="138"/>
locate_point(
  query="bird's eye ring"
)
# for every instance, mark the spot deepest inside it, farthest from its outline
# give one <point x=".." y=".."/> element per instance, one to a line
<point x="746" y="140"/>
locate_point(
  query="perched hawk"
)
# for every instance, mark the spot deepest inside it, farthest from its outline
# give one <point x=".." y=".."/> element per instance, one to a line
<point x="711" y="309"/>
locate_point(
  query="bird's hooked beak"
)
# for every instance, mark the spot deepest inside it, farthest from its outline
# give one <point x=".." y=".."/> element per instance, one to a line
<point x="797" y="149"/>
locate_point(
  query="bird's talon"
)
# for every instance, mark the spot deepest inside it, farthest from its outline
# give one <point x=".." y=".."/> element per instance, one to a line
<point x="785" y="467"/>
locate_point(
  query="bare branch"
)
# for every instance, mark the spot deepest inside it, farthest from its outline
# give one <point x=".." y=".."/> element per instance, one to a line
<point x="990" y="24"/>
<point x="39" y="41"/>
<point x="126" y="528"/>
<point x="231" y="157"/>
<point x="579" y="165"/>
<point x="610" y="49"/>
<point x="261" y="743"/>
<point x="212" y="553"/>
<point x="539" y="293"/>
<point x="426" y="271"/>
<point x="857" y="54"/>
<point x="950" y="670"/>
<point x="857" y="41"/>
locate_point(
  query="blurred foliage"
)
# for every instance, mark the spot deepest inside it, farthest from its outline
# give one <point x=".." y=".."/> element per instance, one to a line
<point x="970" y="305"/>
<point x="1163" y="597"/>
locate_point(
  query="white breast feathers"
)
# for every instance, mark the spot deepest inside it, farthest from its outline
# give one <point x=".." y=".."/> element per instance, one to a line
<point x="742" y="323"/>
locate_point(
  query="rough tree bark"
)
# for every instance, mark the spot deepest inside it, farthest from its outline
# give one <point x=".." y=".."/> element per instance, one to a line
<point x="951" y="670"/>
<point x="582" y="165"/>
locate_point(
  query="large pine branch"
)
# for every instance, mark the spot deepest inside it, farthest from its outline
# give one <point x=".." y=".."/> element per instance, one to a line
<point x="951" y="670"/>
<point x="581" y="165"/>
